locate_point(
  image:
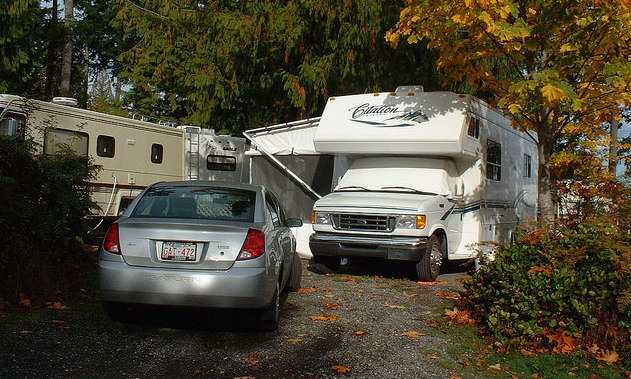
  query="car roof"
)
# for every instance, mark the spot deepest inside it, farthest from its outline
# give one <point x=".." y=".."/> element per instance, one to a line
<point x="209" y="183"/>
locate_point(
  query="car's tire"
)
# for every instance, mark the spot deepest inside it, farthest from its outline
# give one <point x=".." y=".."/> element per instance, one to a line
<point x="428" y="268"/>
<point x="296" y="275"/>
<point x="325" y="265"/>
<point x="117" y="312"/>
<point x="269" y="318"/>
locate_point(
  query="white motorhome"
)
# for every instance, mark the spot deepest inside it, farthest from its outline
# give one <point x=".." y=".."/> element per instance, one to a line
<point x="432" y="176"/>
<point x="132" y="153"/>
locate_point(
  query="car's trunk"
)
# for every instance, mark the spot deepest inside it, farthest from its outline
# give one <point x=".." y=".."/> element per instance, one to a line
<point x="180" y="243"/>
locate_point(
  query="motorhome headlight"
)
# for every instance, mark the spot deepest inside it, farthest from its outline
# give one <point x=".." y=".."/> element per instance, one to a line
<point x="320" y="218"/>
<point x="411" y="222"/>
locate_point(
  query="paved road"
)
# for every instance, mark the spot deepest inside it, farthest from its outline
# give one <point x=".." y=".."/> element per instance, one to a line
<point x="390" y="315"/>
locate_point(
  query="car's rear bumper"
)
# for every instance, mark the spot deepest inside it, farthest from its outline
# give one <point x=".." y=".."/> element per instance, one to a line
<point x="245" y="287"/>
<point x="386" y="247"/>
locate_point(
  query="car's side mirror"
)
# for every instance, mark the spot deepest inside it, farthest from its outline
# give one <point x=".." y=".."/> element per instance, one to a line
<point x="294" y="222"/>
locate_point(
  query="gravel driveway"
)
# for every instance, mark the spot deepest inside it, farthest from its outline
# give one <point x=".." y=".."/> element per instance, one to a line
<point x="361" y="324"/>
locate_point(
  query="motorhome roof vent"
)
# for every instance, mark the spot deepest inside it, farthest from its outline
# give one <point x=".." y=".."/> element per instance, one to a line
<point x="69" y="101"/>
<point x="409" y="89"/>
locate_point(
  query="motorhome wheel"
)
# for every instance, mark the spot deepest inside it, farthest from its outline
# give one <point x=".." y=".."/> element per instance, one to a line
<point x="428" y="268"/>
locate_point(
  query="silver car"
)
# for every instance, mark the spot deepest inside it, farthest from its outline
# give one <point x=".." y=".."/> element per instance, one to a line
<point x="200" y="244"/>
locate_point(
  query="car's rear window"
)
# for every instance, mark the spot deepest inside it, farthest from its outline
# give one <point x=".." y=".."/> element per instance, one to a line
<point x="197" y="202"/>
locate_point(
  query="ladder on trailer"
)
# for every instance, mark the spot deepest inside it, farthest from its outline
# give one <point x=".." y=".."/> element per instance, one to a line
<point x="193" y="152"/>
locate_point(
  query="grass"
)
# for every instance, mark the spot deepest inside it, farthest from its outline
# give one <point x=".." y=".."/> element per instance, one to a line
<point x="477" y="360"/>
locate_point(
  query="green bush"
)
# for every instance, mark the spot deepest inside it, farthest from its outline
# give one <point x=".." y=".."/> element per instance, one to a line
<point x="45" y="203"/>
<point x="573" y="279"/>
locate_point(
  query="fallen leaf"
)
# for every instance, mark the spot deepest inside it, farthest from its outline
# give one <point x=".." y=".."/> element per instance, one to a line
<point x="459" y="317"/>
<point x="341" y="369"/>
<point x="333" y="305"/>
<point x="411" y="334"/>
<point x="454" y="296"/>
<point x="565" y="343"/>
<point x="309" y="373"/>
<point x="323" y="318"/>
<point x="307" y="290"/>
<point x="350" y="279"/>
<point x="295" y="340"/>
<point x="25" y="301"/>
<point x="433" y="357"/>
<point x="254" y="362"/>
<point x="359" y="333"/>
<point x="411" y="294"/>
<point x="26" y="332"/>
<point x="608" y="357"/>
<point x="427" y="283"/>
<point x="495" y="367"/>
<point x="57" y="305"/>
<point x="197" y="371"/>
<point x="527" y="353"/>
<point x="393" y="306"/>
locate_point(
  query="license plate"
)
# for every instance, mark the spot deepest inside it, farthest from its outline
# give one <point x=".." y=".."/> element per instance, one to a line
<point x="179" y="251"/>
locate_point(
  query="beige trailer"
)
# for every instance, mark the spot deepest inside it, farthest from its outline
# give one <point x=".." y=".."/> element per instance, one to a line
<point x="132" y="153"/>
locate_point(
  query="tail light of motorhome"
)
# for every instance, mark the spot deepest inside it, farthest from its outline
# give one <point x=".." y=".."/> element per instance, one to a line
<point x="111" y="242"/>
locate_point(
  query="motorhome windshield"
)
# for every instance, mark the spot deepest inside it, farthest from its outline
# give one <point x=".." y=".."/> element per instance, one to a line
<point x="397" y="174"/>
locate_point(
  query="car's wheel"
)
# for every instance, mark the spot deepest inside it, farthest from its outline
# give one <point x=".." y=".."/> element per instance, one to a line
<point x="268" y="320"/>
<point x="325" y="265"/>
<point x="428" y="268"/>
<point x="116" y="311"/>
<point x="296" y="274"/>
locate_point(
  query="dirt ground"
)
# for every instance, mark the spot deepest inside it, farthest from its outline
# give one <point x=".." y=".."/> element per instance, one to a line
<point x="366" y="322"/>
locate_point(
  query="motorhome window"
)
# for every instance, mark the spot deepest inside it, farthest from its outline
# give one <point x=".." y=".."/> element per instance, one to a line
<point x="57" y="139"/>
<point x="221" y="163"/>
<point x="474" y="128"/>
<point x="156" y="153"/>
<point x="105" y="146"/>
<point x="527" y="166"/>
<point x="494" y="161"/>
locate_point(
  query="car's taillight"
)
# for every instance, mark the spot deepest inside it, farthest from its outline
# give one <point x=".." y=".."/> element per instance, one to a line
<point x="254" y="245"/>
<point x="111" y="242"/>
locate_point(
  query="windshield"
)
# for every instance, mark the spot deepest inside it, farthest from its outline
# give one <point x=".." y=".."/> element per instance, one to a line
<point x="197" y="202"/>
<point x="397" y="174"/>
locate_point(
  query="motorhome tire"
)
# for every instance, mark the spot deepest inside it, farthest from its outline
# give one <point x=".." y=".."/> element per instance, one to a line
<point x="325" y="265"/>
<point x="428" y="268"/>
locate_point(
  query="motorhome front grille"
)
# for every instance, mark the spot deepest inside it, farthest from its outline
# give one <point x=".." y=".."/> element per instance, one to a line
<point x="363" y="222"/>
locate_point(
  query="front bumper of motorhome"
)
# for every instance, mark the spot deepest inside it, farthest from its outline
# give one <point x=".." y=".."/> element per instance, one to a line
<point x="352" y="245"/>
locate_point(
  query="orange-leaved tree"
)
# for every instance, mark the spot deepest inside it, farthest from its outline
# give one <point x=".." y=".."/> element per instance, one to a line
<point x="553" y="67"/>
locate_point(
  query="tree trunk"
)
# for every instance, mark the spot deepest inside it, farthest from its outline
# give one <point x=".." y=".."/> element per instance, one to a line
<point x="66" y="57"/>
<point x="52" y="51"/>
<point x="546" y="204"/>
<point x="613" y="148"/>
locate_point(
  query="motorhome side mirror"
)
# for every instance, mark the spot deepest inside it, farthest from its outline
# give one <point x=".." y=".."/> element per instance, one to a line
<point x="459" y="188"/>
<point x="294" y="222"/>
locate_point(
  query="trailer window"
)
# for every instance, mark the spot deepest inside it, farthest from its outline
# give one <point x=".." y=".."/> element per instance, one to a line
<point x="221" y="163"/>
<point x="474" y="128"/>
<point x="494" y="161"/>
<point x="56" y="139"/>
<point x="156" y="153"/>
<point x="527" y="166"/>
<point x="11" y="124"/>
<point x="105" y="146"/>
